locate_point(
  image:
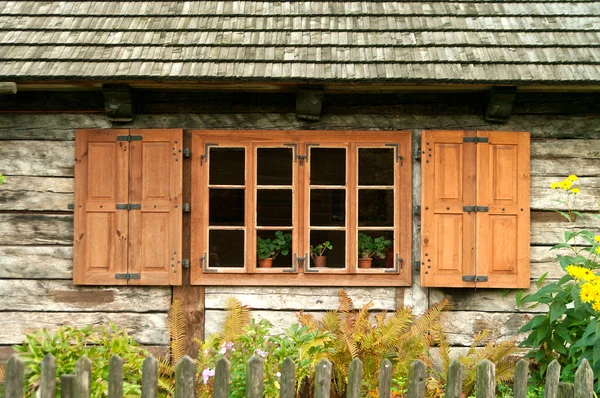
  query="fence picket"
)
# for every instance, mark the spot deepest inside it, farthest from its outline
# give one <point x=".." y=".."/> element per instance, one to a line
<point x="288" y="379"/>
<point x="67" y="386"/>
<point x="521" y="376"/>
<point x="254" y="377"/>
<point x="83" y="378"/>
<point x="416" y="379"/>
<point x="355" y="373"/>
<point x="454" y="381"/>
<point x="150" y="378"/>
<point x="115" y="377"/>
<point x="15" y="377"/>
<point x="323" y="379"/>
<point x="221" y="384"/>
<point x="566" y="390"/>
<point x="185" y="378"/>
<point x="485" y="384"/>
<point x="552" y="380"/>
<point x="48" y="377"/>
<point x="584" y="380"/>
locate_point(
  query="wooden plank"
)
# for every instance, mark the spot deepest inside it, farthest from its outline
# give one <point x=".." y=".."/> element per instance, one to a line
<point x="115" y="377"/>
<point x="417" y="375"/>
<point x="67" y="386"/>
<point x="552" y="380"/>
<point x="454" y="381"/>
<point x="37" y="158"/>
<point x="36" y="193"/>
<point x="150" y="378"/>
<point x="185" y="378"/>
<point x="47" y="387"/>
<point x="36" y="229"/>
<point x="566" y="148"/>
<point x="255" y="377"/>
<point x="148" y="329"/>
<point x="83" y="378"/>
<point x="60" y="296"/>
<point x="520" y="380"/>
<point x="322" y="386"/>
<point x="565" y="390"/>
<point x="355" y="373"/>
<point x="462" y="326"/>
<point x="221" y="380"/>
<point x="584" y="380"/>
<point x="548" y="228"/>
<point x="8" y="88"/>
<point x="486" y="380"/>
<point x="29" y="262"/>
<point x="14" y="380"/>
<point x="544" y="198"/>
<point x="561" y="167"/>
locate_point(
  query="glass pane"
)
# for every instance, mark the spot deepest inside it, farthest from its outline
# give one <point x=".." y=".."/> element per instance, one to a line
<point x="379" y="245"/>
<point x="226" y="207"/>
<point x="227" y="166"/>
<point x="267" y="238"/>
<point x="327" y="166"/>
<point x="376" y="207"/>
<point x="226" y="249"/>
<point x="336" y="257"/>
<point x="274" y="207"/>
<point x="375" y="166"/>
<point x="328" y="207"/>
<point x="274" y="166"/>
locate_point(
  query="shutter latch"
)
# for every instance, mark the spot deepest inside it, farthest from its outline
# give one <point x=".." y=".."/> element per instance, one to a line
<point x="128" y="276"/>
<point x="129" y="206"/>
<point x="474" y="278"/>
<point x="476" y="209"/>
<point x="129" y="138"/>
<point x="476" y="140"/>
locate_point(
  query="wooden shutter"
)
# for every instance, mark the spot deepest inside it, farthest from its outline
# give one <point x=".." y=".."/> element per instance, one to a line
<point x="485" y="244"/>
<point x="100" y="230"/>
<point x="155" y="218"/>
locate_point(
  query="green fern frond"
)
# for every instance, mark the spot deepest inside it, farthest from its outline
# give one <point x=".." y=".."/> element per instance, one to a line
<point x="177" y="323"/>
<point x="238" y="317"/>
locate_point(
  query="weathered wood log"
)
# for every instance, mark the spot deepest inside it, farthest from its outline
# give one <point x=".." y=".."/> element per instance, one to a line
<point x="552" y="380"/>
<point x="454" y="381"/>
<point x="115" y="377"/>
<point x="185" y="378"/>
<point x="67" y="386"/>
<point x="322" y="379"/>
<point x="566" y="148"/>
<point x="221" y="383"/>
<point x="15" y="373"/>
<point x="561" y="167"/>
<point x="29" y="262"/>
<point x="544" y="198"/>
<point x="520" y="380"/>
<point x="36" y="229"/>
<point x="8" y="88"/>
<point x="565" y="390"/>
<point x="287" y="380"/>
<point x="36" y="193"/>
<point x="47" y="387"/>
<point x="148" y="329"/>
<point x="417" y="374"/>
<point x="83" y="378"/>
<point x="485" y="386"/>
<point x="255" y="377"/>
<point x="37" y="158"/>
<point x="150" y="378"/>
<point x="355" y="373"/>
<point x="584" y="380"/>
<point x="41" y="295"/>
<point x="548" y="228"/>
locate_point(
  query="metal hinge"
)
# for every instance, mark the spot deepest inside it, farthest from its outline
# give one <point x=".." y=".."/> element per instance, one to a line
<point x="299" y="263"/>
<point x="399" y="158"/>
<point x="71" y="206"/>
<point x="186" y="207"/>
<point x="129" y="206"/>
<point x="476" y="140"/>
<point x="474" y="278"/>
<point x="416" y="210"/>
<point x="187" y="153"/>
<point x="128" y="276"/>
<point x="129" y="138"/>
<point x="398" y="265"/>
<point x="185" y="263"/>
<point x="417" y="265"/>
<point x="476" y="209"/>
<point x="204" y="264"/>
<point x="204" y="158"/>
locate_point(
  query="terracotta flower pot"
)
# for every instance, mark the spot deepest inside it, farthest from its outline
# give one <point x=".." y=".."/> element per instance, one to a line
<point x="319" y="261"/>
<point x="266" y="263"/>
<point x="364" y="262"/>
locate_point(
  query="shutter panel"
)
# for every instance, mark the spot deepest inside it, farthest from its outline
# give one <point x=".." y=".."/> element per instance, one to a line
<point x="156" y="227"/>
<point x="447" y="232"/>
<point x="503" y="231"/>
<point x="100" y="230"/>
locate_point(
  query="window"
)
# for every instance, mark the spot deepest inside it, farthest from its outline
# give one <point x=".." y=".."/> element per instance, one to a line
<point x="300" y="189"/>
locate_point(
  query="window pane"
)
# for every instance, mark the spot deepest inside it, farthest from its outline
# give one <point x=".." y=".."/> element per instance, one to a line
<point x="336" y="257"/>
<point x="226" y="207"/>
<point x="281" y="260"/>
<point x="226" y="249"/>
<point x="375" y="166"/>
<point x="227" y="166"/>
<point x="376" y="207"/>
<point x="327" y="166"/>
<point x="387" y="239"/>
<point x="328" y="207"/>
<point x="274" y="166"/>
<point x="274" y="207"/>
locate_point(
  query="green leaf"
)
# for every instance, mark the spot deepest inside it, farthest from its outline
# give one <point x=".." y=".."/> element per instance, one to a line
<point x="557" y="310"/>
<point x="539" y="282"/>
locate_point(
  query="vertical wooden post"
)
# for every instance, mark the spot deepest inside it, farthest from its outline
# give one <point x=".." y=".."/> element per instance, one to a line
<point x="385" y="379"/>
<point x="185" y="378"/>
<point x="67" y="386"/>
<point x="255" y="377"/>
<point x="322" y="379"/>
<point x="150" y="378"/>
<point x="115" y="377"/>
<point x="221" y="385"/>
<point x="552" y="380"/>
<point x="288" y="379"/>
<point x="355" y="373"/>
<point x="584" y="381"/>
<point x="521" y="376"/>
<point x="48" y="377"/>
<point x="454" y="381"/>
<point x="566" y="390"/>
<point x="486" y="379"/>
<point x="15" y="377"/>
<point x="83" y="378"/>
<point x="416" y="380"/>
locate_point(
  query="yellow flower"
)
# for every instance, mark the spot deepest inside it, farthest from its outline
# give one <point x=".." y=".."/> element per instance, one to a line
<point x="580" y="273"/>
<point x="575" y="190"/>
<point x="554" y="185"/>
<point x="596" y="306"/>
<point x="566" y="184"/>
<point x="572" y="177"/>
<point x="597" y="238"/>
<point x="598" y="250"/>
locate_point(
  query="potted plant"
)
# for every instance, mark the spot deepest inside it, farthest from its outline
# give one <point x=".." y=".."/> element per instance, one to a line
<point x="267" y="249"/>
<point x="369" y="247"/>
<point x="316" y="252"/>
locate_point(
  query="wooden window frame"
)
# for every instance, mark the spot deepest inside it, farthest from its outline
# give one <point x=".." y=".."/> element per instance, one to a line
<point x="400" y="275"/>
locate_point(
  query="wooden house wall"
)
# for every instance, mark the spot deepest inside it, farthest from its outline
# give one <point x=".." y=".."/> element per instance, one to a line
<point x="36" y="229"/>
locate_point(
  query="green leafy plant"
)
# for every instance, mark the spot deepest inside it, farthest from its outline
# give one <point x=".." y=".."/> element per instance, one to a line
<point x="369" y="247"/>
<point x="569" y="331"/>
<point x="272" y="247"/>
<point x="68" y="344"/>
<point x="320" y="249"/>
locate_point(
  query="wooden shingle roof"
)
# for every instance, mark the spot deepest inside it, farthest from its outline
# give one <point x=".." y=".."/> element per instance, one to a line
<point x="443" y="41"/>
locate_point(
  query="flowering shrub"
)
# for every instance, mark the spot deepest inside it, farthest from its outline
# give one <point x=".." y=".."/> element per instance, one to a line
<point x="570" y="330"/>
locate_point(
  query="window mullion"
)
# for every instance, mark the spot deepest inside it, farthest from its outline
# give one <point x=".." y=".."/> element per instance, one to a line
<point x="352" y="212"/>
<point x="250" y="263"/>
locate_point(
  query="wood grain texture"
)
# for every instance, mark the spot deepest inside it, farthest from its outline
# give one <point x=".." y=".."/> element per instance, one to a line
<point x="485" y="385"/>
<point x="417" y="375"/>
<point x="150" y="378"/>
<point x="37" y="158"/>
<point x="83" y="377"/>
<point x="48" y="377"/>
<point x="36" y="193"/>
<point x="14" y="379"/>
<point x="454" y="381"/>
<point x="36" y="262"/>
<point x="36" y="229"/>
<point x="552" y="380"/>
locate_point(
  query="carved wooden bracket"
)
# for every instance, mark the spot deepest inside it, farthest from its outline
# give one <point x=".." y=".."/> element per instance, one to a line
<point x="118" y="102"/>
<point x="500" y="103"/>
<point x="8" y="88"/>
<point x="309" y="101"/>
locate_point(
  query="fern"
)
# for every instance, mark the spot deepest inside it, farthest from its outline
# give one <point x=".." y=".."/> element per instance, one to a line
<point x="2" y="373"/>
<point x="238" y="317"/>
<point x="177" y="323"/>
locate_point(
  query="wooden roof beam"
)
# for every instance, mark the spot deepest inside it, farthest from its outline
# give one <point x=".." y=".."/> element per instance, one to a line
<point x="500" y="103"/>
<point x="309" y="102"/>
<point x="118" y="102"/>
<point x="8" y="88"/>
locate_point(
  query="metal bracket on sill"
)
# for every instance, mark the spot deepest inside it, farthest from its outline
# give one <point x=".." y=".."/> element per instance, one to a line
<point x="128" y="276"/>
<point x="399" y="158"/>
<point x="474" y="278"/>
<point x="297" y="266"/>
<point x="398" y="265"/>
<point x="204" y="264"/>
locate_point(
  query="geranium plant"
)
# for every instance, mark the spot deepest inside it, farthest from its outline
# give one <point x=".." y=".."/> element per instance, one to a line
<point x="369" y="247"/>
<point x="271" y="247"/>
<point x="319" y="250"/>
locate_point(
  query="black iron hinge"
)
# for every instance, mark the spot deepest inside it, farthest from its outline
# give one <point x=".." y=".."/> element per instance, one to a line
<point x="185" y="263"/>
<point x="417" y="265"/>
<point x="204" y="158"/>
<point x="476" y="140"/>
<point x="128" y="276"/>
<point x="187" y="153"/>
<point x="476" y="209"/>
<point x="299" y="263"/>
<point x="474" y="278"/>
<point x="129" y="138"/>
<point x="204" y="264"/>
<point x="186" y="208"/>
<point x="397" y="266"/>
<point x="399" y="158"/>
<point x="129" y="206"/>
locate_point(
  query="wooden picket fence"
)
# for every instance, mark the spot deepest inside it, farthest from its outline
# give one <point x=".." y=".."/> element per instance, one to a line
<point x="78" y="385"/>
